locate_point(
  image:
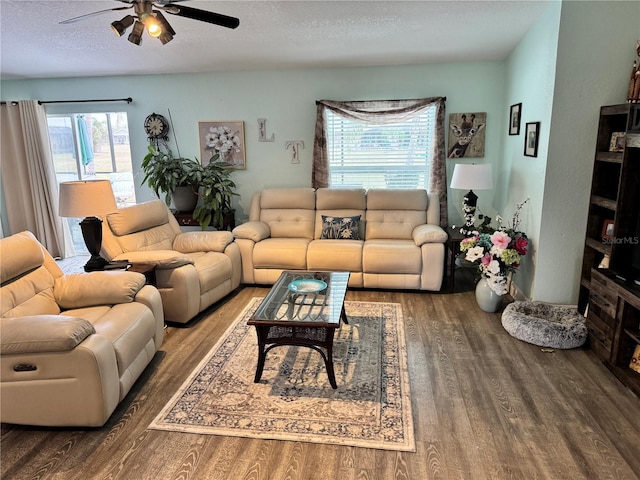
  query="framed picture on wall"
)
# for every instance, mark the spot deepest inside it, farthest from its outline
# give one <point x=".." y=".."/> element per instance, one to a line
<point x="607" y="229"/>
<point x="225" y="139"/>
<point x="466" y="134"/>
<point x="515" y="113"/>
<point x="531" y="134"/>
<point x="617" y="142"/>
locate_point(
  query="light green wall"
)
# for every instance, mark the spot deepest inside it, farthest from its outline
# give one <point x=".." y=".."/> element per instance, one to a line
<point x="596" y="49"/>
<point x="285" y="98"/>
<point x="530" y="72"/>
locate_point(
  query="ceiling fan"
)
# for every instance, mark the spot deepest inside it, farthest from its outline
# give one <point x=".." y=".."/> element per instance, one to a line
<point x="147" y="15"/>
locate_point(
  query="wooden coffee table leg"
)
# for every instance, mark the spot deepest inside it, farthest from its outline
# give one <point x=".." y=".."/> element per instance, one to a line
<point x="262" y="333"/>
<point x="343" y="315"/>
<point x="328" y="361"/>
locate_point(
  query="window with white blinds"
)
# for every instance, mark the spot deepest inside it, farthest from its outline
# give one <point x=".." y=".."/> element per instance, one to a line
<point x="380" y="156"/>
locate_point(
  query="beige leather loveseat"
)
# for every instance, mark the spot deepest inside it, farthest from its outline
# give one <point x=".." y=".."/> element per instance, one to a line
<point x="400" y="244"/>
<point x="72" y="346"/>
<point x="193" y="269"/>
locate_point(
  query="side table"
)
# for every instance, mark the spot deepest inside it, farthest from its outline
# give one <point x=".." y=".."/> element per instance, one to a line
<point x="147" y="269"/>
<point x="185" y="219"/>
<point x="453" y="247"/>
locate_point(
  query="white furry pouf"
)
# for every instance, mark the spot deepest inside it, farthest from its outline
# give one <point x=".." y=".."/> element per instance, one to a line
<point x="546" y="325"/>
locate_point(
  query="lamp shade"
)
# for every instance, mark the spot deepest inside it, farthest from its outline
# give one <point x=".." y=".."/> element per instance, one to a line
<point x="472" y="176"/>
<point x="86" y="198"/>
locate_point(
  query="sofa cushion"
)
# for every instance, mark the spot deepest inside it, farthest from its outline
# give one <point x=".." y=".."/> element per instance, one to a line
<point x="281" y="253"/>
<point x="341" y="199"/>
<point x="340" y="255"/>
<point x="137" y="218"/>
<point x="191" y="242"/>
<point x="393" y="224"/>
<point x="26" y="255"/>
<point x="337" y="228"/>
<point x="286" y="198"/>
<point x="393" y="214"/>
<point x="30" y="294"/>
<point x="289" y="223"/>
<point x="213" y="269"/>
<point x="391" y="256"/>
<point x="289" y="212"/>
<point x="388" y="199"/>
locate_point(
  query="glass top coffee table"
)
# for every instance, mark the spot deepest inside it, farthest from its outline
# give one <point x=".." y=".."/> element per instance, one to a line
<point x="302" y="308"/>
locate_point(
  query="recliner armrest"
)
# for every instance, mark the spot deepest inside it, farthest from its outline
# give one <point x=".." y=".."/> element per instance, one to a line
<point x="255" y="231"/>
<point x="42" y="333"/>
<point x="162" y="259"/>
<point x="78" y="290"/>
<point x="191" y="242"/>
<point x="429" y="234"/>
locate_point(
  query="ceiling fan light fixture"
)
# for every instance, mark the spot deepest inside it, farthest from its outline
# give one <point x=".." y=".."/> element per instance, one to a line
<point x="153" y="26"/>
<point x="167" y="32"/>
<point x="136" y="34"/>
<point x="165" y="37"/>
<point x="120" y="26"/>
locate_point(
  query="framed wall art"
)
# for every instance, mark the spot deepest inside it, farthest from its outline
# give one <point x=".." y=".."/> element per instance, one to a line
<point x="617" y="142"/>
<point x="466" y="135"/>
<point x="531" y="134"/>
<point x="515" y="113"/>
<point x="225" y="139"/>
<point x="607" y="229"/>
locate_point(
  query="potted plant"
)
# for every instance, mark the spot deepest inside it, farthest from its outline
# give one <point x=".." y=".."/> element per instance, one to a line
<point x="215" y="192"/>
<point x="175" y="178"/>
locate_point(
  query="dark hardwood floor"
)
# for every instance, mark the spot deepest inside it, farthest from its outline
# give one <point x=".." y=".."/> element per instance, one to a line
<point x="486" y="406"/>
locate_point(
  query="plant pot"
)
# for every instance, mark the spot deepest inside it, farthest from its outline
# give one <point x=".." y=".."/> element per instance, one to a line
<point x="184" y="199"/>
<point x="488" y="300"/>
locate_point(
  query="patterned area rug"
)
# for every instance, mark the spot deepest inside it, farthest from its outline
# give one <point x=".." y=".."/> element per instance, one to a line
<point x="293" y="401"/>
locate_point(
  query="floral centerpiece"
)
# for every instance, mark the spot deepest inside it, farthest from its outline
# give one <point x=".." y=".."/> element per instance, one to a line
<point x="223" y="141"/>
<point x="497" y="251"/>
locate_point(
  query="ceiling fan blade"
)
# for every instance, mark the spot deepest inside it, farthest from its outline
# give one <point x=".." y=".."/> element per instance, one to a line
<point x="99" y="12"/>
<point x="202" y="15"/>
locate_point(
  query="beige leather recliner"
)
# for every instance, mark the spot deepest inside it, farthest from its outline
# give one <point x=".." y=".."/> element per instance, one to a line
<point x="72" y="345"/>
<point x="193" y="269"/>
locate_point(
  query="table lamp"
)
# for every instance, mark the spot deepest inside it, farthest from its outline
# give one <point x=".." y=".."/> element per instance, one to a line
<point x="471" y="175"/>
<point x="88" y="198"/>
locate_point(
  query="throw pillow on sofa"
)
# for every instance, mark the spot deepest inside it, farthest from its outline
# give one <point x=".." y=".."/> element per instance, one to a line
<point x="340" y="228"/>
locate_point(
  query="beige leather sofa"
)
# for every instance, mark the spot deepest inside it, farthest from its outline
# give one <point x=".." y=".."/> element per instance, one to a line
<point x="193" y="269"/>
<point x="401" y="244"/>
<point x="73" y="345"/>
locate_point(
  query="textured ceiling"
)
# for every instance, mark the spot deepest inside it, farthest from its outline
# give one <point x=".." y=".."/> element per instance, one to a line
<point x="272" y="34"/>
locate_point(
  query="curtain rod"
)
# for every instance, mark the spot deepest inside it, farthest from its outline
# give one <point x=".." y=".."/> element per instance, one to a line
<point x="41" y="102"/>
<point x="128" y="100"/>
<point x="443" y="98"/>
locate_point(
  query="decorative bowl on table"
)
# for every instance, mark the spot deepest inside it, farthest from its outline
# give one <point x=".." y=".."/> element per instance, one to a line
<point x="307" y="285"/>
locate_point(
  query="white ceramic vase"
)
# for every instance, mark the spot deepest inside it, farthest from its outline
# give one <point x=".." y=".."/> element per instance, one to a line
<point x="487" y="299"/>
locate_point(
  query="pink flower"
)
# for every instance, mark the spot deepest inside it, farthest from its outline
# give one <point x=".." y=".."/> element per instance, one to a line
<point x="500" y="239"/>
<point x="486" y="259"/>
<point x="521" y="245"/>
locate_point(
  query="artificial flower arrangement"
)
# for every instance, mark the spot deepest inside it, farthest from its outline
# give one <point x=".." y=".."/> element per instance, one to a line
<point x="496" y="251"/>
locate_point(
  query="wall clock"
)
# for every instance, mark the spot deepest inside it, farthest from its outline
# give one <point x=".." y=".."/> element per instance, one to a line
<point x="156" y="127"/>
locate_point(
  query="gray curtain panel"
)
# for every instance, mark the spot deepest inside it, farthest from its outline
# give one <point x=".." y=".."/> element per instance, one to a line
<point x="29" y="180"/>
<point x="383" y="112"/>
